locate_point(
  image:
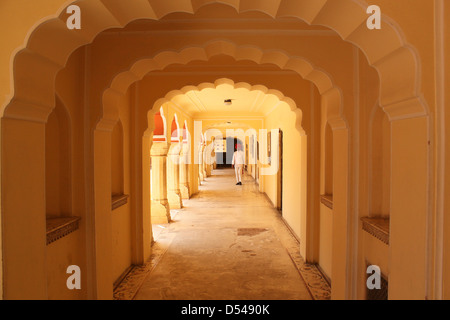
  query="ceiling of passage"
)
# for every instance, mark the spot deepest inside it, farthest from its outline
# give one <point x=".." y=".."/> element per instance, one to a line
<point x="224" y="126"/>
<point x="257" y="100"/>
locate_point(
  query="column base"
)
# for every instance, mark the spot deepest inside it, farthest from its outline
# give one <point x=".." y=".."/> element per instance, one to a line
<point x="160" y="212"/>
<point x="185" y="192"/>
<point x="174" y="198"/>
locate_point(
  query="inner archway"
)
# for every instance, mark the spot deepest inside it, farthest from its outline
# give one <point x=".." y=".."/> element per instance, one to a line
<point x="33" y="104"/>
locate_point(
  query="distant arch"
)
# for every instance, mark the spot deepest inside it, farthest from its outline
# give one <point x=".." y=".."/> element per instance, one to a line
<point x="160" y="126"/>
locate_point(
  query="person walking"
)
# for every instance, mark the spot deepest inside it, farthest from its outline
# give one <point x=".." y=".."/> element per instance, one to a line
<point x="238" y="164"/>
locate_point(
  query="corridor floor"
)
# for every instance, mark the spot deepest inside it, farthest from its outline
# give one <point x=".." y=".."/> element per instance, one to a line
<point x="227" y="243"/>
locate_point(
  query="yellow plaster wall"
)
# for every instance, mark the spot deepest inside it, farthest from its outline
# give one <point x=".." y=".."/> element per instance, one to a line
<point x="294" y="168"/>
<point x="121" y="219"/>
<point x="326" y="240"/>
<point x="58" y="182"/>
<point x="376" y="253"/>
<point x="121" y="240"/>
<point x="70" y="89"/>
<point x="60" y="255"/>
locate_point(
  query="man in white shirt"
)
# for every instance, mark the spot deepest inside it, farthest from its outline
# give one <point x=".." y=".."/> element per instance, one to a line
<point x="238" y="164"/>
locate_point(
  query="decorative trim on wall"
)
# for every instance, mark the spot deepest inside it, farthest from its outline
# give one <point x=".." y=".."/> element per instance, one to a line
<point x="327" y="200"/>
<point x="58" y="228"/>
<point x="119" y="200"/>
<point x="377" y="227"/>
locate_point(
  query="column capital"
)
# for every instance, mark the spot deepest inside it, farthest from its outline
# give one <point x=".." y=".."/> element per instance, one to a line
<point x="185" y="148"/>
<point x="175" y="149"/>
<point x="159" y="149"/>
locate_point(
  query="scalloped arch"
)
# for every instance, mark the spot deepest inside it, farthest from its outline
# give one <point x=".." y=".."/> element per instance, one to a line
<point x="397" y="63"/>
<point x="305" y="69"/>
<point x="288" y="102"/>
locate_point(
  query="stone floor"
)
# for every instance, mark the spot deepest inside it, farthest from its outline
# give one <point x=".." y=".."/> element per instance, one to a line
<point x="227" y="243"/>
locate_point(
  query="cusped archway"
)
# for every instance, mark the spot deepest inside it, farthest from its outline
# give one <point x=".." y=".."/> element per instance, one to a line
<point x="49" y="46"/>
<point x="276" y="95"/>
<point x="331" y="94"/>
<point x="51" y="43"/>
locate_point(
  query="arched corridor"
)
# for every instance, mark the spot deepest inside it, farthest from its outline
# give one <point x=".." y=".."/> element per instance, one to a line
<point x="122" y="141"/>
<point x="227" y="243"/>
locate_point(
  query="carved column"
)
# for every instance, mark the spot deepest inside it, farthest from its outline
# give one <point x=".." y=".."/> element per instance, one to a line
<point x="184" y="172"/>
<point x="204" y="161"/>
<point x="173" y="176"/>
<point x="160" y="204"/>
<point x="23" y="209"/>
<point x="200" y="163"/>
<point x="209" y="157"/>
<point x="408" y="208"/>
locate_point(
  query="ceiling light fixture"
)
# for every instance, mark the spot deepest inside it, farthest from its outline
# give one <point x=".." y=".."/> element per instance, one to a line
<point x="228" y="102"/>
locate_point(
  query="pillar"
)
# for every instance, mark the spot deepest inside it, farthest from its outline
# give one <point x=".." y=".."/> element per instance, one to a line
<point x="200" y="164"/>
<point x="101" y="222"/>
<point x="160" y="205"/>
<point x="409" y="209"/>
<point x="340" y="248"/>
<point x="141" y="212"/>
<point x="209" y="162"/>
<point x="184" y="172"/>
<point x="208" y="170"/>
<point x="23" y="209"/>
<point x="204" y="161"/>
<point x="173" y="176"/>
